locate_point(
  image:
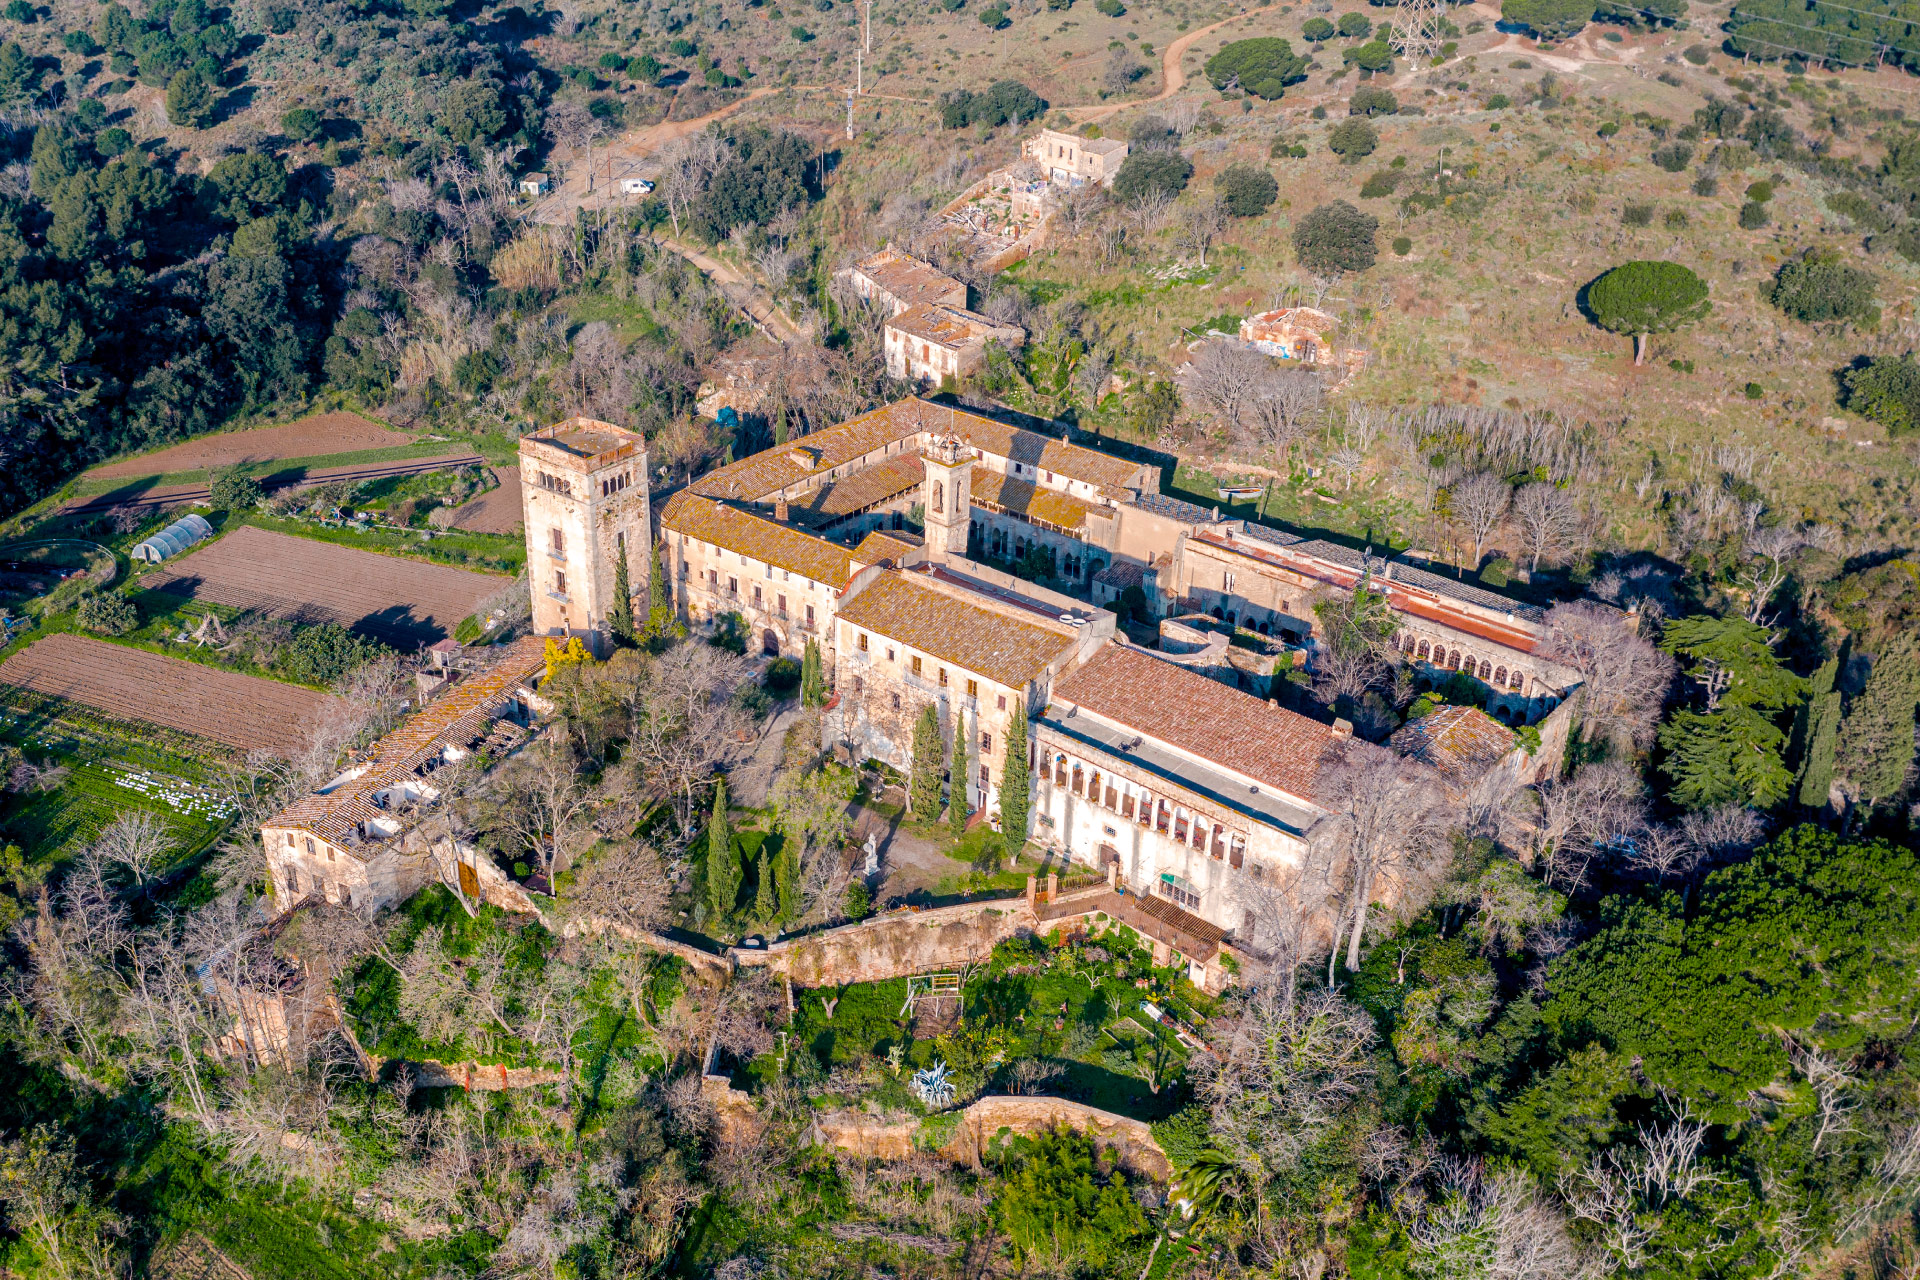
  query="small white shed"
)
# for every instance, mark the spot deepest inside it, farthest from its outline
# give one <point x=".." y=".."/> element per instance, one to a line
<point x="635" y="187"/>
<point x="535" y="184"/>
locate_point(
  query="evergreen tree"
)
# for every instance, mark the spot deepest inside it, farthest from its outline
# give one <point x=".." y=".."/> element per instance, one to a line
<point x="1819" y="735"/>
<point x="189" y="99"/>
<point x="1014" y="784"/>
<point x="813" y="678"/>
<point x="660" y="624"/>
<point x="723" y="864"/>
<point x="923" y="788"/>
<point x="620" y="616"/>
<point x="764" y="902"/>
<point x="1876" y="739"/>
<point x="786" y="878"/>
<point x="957" y="779"/>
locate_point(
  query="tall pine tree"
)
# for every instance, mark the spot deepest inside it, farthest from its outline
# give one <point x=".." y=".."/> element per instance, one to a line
<point x="620" y="615"/>
<point x="957" y="779"/>
<point x="1014" y="784"/>
<point x="1819" y="735"/>
<point x="923" y="787"/>
<point x="786" y="878"/>
<point x="723" y="863"/>
<point x="1876" y="738"/>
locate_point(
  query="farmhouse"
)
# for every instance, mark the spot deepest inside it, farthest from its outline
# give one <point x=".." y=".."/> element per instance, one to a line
<point x="932" y="342"/>
<point x="1071" y="160"/>
<point x="372" y="836"/>
<point x="896" y="281"/>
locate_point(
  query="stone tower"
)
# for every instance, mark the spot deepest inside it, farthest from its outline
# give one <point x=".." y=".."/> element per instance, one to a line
<point x="584" y="494"/>
<point x="946" y="496"/>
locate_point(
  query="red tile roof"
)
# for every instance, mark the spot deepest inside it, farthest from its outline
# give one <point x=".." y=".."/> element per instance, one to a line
<point x="1462" y="743"/>
<point x="1205" y="718"/>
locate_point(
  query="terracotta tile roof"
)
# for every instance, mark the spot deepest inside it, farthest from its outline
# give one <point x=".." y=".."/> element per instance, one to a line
<point x="1121" y="574"/>
<point x="1008" y="650"/>
<point x="1186" y="710"/>
<point x="867" y="487"/>
<point x="910" y="280"/>
<point x="1462" y="743"/>
<point x="1058" y="509"/>
<point x="881" y="545"/>
<point x="1035" y="450"/>
<point x="813" y="457"/>
<point x="454" y="718"/>
<point x="952" y="326"/>
<point x="733" y="529"/>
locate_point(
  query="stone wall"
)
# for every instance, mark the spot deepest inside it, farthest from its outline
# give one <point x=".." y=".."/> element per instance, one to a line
<point x="704" y="963"/>
<point x="991" y="1120"/>
<point x="895" y="944"/>
<point x="476" y="1077"/>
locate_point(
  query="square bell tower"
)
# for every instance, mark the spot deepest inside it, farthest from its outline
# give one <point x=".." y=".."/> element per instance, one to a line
<point x="946" y="496"/>
<point x="584" y="498"/>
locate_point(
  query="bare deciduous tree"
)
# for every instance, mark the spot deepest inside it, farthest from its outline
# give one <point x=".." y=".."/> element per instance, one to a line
<point x="1623" y="679"/>
<point x="1479" y="503"/>
<point x="1564" y="822"/>
<point x="1200" y="225"/>
<point x="137" y="841"/>
<point x="1544" y="512"/>
<point x="1386" y="827"/>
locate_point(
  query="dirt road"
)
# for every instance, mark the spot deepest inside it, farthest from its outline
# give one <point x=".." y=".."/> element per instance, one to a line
<point x="1172" y="77"/>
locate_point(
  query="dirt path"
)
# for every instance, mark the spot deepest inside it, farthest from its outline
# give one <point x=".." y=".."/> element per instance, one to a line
<point x="1172" y="78"/>
<point x="741" y="290"/>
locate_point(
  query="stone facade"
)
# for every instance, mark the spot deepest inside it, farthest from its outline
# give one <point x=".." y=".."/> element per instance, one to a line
<point x="1071" y="160"/>
<point x="584" y="487"/>
<point x="935" y="343"/>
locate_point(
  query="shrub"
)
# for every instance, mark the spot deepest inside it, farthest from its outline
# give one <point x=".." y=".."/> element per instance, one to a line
<point x="1499" y="102"/>
<point x="107" y="613"/>
<point x="302" y="124"/>
<point x="682" y="48"/>
<point x="1354" y="26"/>
<point x="1697" y="54"/>
<point x="1247" y="191"/>
<point x="1673" y="157"/>
<point x="1352" y="139"/>
<point x="1263" y="66"/>
<point x="320" y="653"/>
<point x="1316" y="30"/>
<point x="1004" y="102"/>
<point x="1885" y="390"/>
<point x="1760" y="192"/>
<point x="234" y="490"/>
<point x="1548" y="19"/>
<point x="1334" y="238"/>
<point x="1706" y="185"/>
<point x="1677" y="219"/>
<point x="1753" y="216"/>
<point x="993" y="19"/>
<point x="782" y="675"/>
<point x="1636" y="215"/>
<point x="1754" y="391"/>
<point x="1402" y="246"/>
<point x="1384" y="182"/>
<point x="1859" y="210"/>
<point x="1158" y="170"/>
<point x="1112" y="8"/>
<point x="800" y="33"/>
<point x="1372" y="100"/>
<point x="20" y="11"/>
<point x="1817" y="288"/>
<point x="1608" y="129"/>
<point x="859" y="901"/>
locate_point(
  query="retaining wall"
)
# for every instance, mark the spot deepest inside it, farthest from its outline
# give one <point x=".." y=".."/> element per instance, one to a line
<point x="996" y="1118"/>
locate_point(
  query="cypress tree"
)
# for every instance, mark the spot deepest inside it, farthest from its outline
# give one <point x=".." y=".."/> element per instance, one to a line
<point x="957" y="779"/>
<point x="786" y="878"/>
<point x="723" y="865"/>
<point x="1818" y="732"/>
<point x="620" y="616"/>
<point x="813" y="678"/>
<point x="763" y="898"/>
<point x="923" y="787"/>
<point x="1876" y="739"/>
<point x="1014" y="784"/>
<point x="659" y="605"/>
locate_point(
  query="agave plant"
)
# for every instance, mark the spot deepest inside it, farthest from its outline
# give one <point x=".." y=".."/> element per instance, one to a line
<point x="933" y="1086"/>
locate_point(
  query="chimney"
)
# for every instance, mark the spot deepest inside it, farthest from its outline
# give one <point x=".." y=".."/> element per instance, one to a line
<point x="780" y="508"/>
<point x="1343" y="728"/>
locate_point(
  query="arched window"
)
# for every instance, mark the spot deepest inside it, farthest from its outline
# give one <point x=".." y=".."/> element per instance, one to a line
<point x="1453" y="660"/>
<point x="1264" y="631"/>
<point x="939" y="496"/>
<point x="1500" y="677"/>
<point x="1079" y="780"/>
<point x="1218" y="614"/>
<point x="1486" y="669"/>
<point x="1421" y="651"/>
<point x="1515" y="680"/>
<point x="1059" y="771"/>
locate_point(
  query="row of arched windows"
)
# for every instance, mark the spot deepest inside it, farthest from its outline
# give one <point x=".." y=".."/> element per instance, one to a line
<point x="1437" y="653"/>
<point x="1154" y="813"/>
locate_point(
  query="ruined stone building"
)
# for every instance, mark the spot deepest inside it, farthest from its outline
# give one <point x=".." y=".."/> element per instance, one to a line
<point x="928" y="333"/>
<point x="1071" y="160"/>
<point x="373" y="836"/>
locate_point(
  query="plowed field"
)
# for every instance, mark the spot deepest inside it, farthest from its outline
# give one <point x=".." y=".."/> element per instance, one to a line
<point x="132" y="684"/>
<point x="338" y="432"/>
<point x="403" y="602"/>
